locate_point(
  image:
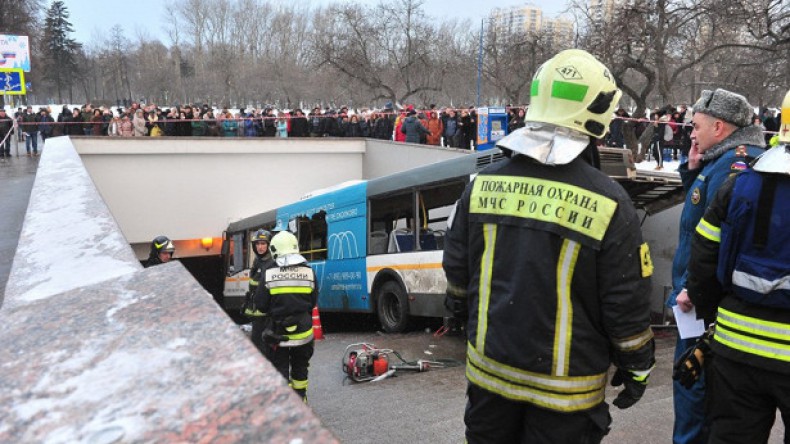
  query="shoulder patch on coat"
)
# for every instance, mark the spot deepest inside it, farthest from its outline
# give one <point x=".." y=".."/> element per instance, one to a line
<point x="646" y="262"/>
<point x="740" y="151"/>
<point x="695" y="196"/>
<point x="739" y="166"/>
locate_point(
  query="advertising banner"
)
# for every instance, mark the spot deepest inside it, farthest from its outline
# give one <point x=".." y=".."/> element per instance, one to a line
<point x="15" y="52"/>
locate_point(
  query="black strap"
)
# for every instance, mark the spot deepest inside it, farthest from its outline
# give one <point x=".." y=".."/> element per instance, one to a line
<point x="765" y="206"/>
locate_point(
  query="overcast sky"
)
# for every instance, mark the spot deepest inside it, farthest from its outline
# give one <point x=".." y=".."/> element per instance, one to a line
<point x="92" y="18"/>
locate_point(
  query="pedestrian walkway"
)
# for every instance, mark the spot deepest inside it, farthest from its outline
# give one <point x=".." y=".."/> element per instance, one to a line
<point x="16" y="180"/>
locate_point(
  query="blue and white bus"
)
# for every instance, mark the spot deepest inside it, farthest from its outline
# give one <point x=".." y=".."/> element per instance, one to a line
<point x="375" y="245"/>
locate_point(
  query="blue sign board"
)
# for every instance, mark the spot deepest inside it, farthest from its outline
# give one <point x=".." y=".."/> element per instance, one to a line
<point x="12" y="81"/>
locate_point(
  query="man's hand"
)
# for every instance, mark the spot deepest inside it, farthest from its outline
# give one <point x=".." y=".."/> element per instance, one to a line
<point x="684" y="302"/>
<point x="634" y="382"/>
<point x="695" y="157"/>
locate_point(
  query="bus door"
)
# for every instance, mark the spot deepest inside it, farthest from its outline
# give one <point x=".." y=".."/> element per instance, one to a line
<point x="237" y="278"/>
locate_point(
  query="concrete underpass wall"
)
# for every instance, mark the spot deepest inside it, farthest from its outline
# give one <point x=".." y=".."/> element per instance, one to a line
<point x="94" y="348"/>
<point x="383" y="157"/>
<point x="191" y="188"/>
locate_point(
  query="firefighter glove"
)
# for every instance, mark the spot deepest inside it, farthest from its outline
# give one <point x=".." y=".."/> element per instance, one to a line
<point x="269" y="337"/>
<point x="457" y="307"/>
<point x="688" y="368"/>
<point x="634" y="383"/>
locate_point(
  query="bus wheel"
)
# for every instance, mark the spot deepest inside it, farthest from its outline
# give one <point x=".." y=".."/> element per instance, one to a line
<point x="393" y="308"/>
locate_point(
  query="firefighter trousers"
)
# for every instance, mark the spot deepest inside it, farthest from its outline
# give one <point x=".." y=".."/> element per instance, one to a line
<point x="292" y="363"/>
<point x="491" y="418"/>
<point x="744" y="402"/>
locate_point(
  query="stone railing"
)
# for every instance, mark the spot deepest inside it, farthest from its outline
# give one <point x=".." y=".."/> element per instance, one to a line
<point x="95" y="348"/>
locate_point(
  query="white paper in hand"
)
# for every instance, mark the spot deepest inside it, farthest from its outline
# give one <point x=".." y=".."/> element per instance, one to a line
<point x="688" y="324"/>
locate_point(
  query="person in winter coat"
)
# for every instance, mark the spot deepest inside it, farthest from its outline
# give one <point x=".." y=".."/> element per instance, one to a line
<point x="412" y="128"/>
<point x="464" y="125"/>
<point x="354" y="127"/>
<point x="517" y="121"/>
<point x="435" y="129"/>
<point x="383" y="127"/>
<point x="230" y="126"/>
<point x="723" y="141"/>
<point x="127" y="127"/>
<point x="616" y="138"/>
<point x="288" y="293"/>
<point x="546" y="259"/>
<point x="114" y="129"/>
<point x="6" y="126"/>
<point x="451" y="130"/>
<point x="263" y="261"/>
<point x="298" y="125"/>
<point x="46" y="124"/>
<point x="400" y="136"/>
<point x="140" y="129"/>
<point x="96" y="123"/>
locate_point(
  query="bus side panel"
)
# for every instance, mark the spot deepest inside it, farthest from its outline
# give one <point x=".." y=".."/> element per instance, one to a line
<point x="342" y="285"/>
<point x="343" y="281"/>
<point x="422" y="275"/>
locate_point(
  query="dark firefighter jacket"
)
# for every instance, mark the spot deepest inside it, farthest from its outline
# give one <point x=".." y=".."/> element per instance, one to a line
<point x="744" y="235"/>
<point x="259" y="265"/>
<point x="552" y="264"/>
<point x="288" y="295"/>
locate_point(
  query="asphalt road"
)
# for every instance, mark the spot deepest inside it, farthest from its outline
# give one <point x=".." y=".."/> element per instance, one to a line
<point x="429" y="407"/>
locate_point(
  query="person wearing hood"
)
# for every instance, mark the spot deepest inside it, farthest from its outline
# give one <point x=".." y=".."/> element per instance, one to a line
<point x="723" y="142"/>
<point x="412" y="128"/>
<point x="545" y="257"/>
<point x="288" y="294"/>
<point x="162" y="251"/>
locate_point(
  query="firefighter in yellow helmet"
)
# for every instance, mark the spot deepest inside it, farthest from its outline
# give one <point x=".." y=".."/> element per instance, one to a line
<point x="263" y="260"/>
<point x="288" y="294"/>
<point x="546" y="257"/>
<point x="738" y="276"/>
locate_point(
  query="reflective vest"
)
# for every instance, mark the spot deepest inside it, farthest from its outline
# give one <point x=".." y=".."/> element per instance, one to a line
<point x="289" y="298"/>
<point x="753" y="320"/>
<point x="754" y="253"/>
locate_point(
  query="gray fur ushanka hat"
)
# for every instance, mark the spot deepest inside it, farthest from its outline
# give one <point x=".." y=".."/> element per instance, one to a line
<point x="725" y="105"/>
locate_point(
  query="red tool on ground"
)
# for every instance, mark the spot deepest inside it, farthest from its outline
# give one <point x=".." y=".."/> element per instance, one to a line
<point x="364" y="362"/>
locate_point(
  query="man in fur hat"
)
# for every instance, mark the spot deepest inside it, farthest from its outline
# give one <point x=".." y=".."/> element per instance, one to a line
<point x="723" y="142"/>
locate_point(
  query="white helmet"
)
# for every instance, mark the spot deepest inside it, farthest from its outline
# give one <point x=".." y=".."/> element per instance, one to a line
<point x="573" y="96"/>
<point x="285" y="249"/>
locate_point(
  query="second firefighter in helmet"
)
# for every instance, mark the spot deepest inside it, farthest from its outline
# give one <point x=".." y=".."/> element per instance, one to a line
<point x="546" y="255"/>
<point x="162" y="250"/>
<point x="288" y="294"/>
<point x="263" y="260"/>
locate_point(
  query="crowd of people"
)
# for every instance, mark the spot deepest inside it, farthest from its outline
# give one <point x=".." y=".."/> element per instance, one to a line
<point x="669" y="132"/>
<point x="448" y="127"/>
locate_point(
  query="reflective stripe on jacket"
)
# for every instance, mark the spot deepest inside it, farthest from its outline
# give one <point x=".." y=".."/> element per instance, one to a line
<point x="288" y="295"/>
<point x="553" y="266"/>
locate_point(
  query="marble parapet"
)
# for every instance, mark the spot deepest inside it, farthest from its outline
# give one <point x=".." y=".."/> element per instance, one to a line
<point x="96" y="349"/>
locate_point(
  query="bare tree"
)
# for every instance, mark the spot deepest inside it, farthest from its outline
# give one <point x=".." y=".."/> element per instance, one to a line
<point x="386" y="49"/>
